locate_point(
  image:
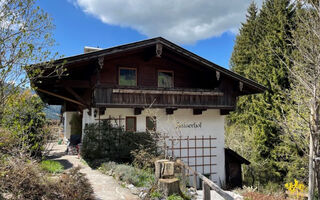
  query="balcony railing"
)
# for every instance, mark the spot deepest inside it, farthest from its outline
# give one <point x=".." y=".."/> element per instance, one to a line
<point x="162" y="97"/>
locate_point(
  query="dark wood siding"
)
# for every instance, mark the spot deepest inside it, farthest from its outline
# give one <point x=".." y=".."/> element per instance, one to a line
<point x="185" y="75"/>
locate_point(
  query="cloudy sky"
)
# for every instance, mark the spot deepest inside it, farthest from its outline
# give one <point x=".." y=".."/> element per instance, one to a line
<point x="205" y="27"/>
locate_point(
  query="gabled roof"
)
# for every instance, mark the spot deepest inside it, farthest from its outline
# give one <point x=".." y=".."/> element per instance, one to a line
<point x="159" y="40"/>
<point x="233" y="154"/>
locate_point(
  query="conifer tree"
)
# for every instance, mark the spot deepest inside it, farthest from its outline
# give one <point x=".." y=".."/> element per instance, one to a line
<point x="259" y="52"/>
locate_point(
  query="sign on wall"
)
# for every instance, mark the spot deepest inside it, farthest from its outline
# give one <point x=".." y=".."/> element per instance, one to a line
<point x="191" y="125"/>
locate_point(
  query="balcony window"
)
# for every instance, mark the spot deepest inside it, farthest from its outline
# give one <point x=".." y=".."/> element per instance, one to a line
<point x="127" y="76"/>
<point x="131" y="124"/>
<point x="151" y="124"/>
<point x="165" y="79"/>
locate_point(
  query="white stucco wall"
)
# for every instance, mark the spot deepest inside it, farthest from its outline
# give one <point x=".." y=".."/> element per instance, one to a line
<point x="66" y="124"/>
<point x="86" y="118"/>
<point x="210" y="123"/>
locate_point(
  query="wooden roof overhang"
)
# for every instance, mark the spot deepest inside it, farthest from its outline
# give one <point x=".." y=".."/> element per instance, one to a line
<point x="233" y="155"/>
<point x="72" y="87"/>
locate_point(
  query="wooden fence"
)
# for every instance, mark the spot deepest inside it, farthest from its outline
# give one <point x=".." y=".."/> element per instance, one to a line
<point x="207" y="184"/>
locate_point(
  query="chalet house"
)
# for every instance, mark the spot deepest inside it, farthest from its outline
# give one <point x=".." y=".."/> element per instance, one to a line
<point x="188" y="96"/>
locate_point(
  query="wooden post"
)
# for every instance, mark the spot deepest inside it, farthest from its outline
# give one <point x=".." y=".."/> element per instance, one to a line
<point x="183" y="172"/>
<point x="206" y="191"/>
<point x="195" y="180"/>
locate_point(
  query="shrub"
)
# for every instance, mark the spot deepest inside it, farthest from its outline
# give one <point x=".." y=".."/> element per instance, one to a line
<point x="51" y="166"/>
<point x="106" y="141"/>
<point x="129" y="174"/>
<point x="107" y="166"/>
<point x="7" y="142"/>
<point x="145" y="158"/>
<point x="74" y="185"/>
<point x="23" y="179"/>
<point x="24" y="118"/>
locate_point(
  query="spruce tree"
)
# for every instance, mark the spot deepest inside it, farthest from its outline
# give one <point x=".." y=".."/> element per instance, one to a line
<point x="259" y="53"/>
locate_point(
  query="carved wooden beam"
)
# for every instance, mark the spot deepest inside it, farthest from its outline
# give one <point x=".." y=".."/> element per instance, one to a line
<point x="137" y="111"/>
<point x="158" y="50"/>
<point x="170" y="111"/>
<point x="102" y="111"/>
<point x="198" y="111"/>
<point x="101" y="62"/>
<point x="217" y="75"/>
<point x="224" y="112"/>
<point x="240" y="86"/>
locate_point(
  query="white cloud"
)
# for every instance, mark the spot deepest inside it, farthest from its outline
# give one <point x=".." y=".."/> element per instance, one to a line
<point x="181" y="21"/>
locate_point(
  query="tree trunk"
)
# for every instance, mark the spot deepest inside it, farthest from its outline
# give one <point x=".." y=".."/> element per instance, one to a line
<point x="311" y="171"/>
<point x="169" y="186"/>
<point x="317" y="166"/>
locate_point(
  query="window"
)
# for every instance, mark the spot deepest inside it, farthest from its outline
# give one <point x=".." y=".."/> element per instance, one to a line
<point x="127" y="76"/>
<point x="165" y="79"/>
<point x="131" y="124"/>
<point x="151" y="123"/>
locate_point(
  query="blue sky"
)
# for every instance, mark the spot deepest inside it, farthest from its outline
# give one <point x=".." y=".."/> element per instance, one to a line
<point x="82" y="23"/>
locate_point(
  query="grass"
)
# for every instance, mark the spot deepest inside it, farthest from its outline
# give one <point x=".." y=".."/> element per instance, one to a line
<point x="174" y="197"/>
<point x="51" y="166"/>
<point x="155" y="194"/>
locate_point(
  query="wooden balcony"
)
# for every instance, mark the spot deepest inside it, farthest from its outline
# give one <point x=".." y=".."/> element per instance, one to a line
<point x="162" y="98"/>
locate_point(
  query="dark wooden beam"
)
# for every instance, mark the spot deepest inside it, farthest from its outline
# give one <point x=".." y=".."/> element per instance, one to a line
<point x="137" y="111"/>
<point x="224" y="112"/>
<point x="78" y="97"/>
<point x="148" y="54"/>
<point x="170" y="111"/>
<point x="102" y="110"/>
<point x="198" y="111"/>
<point x="74" y="83"/>
<point x="60" y="96"/>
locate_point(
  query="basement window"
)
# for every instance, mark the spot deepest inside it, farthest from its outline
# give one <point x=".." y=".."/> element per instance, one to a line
<point x="151" y="124"/>
<point x="165" y="79"/>
<point x="131" y="124"/>
<point x="127" y="76"/>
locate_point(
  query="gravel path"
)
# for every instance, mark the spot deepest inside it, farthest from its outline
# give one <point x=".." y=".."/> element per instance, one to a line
<point x="105" y="187"/>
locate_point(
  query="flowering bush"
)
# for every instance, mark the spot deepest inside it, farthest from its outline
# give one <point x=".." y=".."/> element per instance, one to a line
<point x="296" y="190"/>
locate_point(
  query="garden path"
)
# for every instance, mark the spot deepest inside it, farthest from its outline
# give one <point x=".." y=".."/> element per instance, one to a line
<point x="104" y="187"/>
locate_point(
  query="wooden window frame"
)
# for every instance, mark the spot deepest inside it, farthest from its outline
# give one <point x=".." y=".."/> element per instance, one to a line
<point x="135" y="123"/>
<point x="155" y="124"/>
<point x="130" y="68"/>
<point x="170" y="71"/>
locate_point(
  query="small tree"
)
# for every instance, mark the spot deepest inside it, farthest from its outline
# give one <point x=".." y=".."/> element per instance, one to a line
<point x="25" y="38"/>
